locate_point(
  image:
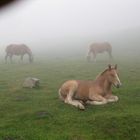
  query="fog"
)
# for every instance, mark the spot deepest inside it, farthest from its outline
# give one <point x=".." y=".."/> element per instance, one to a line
<point x="54" y="25"/>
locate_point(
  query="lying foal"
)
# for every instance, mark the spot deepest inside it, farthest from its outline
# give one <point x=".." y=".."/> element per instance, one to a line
<point x="97" y="92"/>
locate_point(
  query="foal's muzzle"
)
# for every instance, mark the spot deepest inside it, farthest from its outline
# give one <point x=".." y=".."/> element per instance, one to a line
<point x="118" y="85"/>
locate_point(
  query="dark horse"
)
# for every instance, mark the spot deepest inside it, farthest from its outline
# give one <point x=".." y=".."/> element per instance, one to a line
<point x="19" y="50"/>
<point x="96" y="48"/>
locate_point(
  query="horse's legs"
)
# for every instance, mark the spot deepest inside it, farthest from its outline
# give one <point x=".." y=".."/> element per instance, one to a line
<point x="6" y="56"/>
<point x="73" y="102"/>
<point x="88" y="58"/>
<point x="112" y="98"/>
<point x="11" y="58"/>
<point x="94" y="56"/>
<point x="97" y="100"/>
<point x="21" y="58"/>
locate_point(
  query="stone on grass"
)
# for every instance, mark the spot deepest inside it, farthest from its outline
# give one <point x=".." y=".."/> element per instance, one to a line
<point x="31" y="82"/>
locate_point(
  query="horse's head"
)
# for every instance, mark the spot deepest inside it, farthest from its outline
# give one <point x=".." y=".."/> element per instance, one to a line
<point x="88" y="58"/>
<point x="113" y="76"/>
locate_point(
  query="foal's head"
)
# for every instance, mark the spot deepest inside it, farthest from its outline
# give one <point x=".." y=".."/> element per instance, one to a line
<point x="113" y="77"/>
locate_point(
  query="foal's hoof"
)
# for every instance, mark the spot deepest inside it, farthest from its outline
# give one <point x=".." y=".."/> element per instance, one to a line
<point x="81" y="107"/>
<point x="116" y="98"/>
<point x="81" y="102"/>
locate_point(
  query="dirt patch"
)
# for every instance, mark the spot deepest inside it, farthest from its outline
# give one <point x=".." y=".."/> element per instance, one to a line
<point x="43" y="114"/>
<point x="21" y="98"/>
<point x="11" y="138"/>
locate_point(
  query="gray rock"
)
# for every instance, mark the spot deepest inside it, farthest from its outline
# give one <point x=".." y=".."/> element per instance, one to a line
<point x="31" y="82"/>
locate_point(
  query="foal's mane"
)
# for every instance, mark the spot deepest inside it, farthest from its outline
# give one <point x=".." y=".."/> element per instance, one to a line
<point x="102" y="73"/>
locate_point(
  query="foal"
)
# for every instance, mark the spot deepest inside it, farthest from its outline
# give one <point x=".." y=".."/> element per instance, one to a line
<point x="97" y="92"/>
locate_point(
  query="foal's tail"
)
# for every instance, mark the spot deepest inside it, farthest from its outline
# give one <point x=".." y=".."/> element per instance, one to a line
<point x="61" y="97"/>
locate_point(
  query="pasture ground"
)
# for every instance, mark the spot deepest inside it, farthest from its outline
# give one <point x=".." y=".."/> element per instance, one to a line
<point x="38" y="114"/>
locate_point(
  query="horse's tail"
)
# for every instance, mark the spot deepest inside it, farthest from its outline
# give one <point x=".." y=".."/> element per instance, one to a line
<point x="88" y="54"/>
<point x="108" y="47"/>
<point x="8" y="48"/>
<point x="109" y="50"/>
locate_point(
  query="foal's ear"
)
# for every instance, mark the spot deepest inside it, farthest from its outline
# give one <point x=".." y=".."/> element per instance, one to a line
<point x="115" y="66"/>
<point x="109" y="66"/>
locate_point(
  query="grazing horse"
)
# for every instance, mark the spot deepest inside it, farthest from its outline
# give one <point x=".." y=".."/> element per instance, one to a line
<point x="97" y="92"/>
<point x="19" y="50"/>
<point x="96" y="48"/>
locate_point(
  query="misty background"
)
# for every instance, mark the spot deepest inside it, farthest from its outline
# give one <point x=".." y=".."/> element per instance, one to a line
<point x="66" y="28"/>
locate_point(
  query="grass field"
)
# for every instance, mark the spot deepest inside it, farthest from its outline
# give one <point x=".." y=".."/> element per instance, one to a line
<point x="38" y="114"/>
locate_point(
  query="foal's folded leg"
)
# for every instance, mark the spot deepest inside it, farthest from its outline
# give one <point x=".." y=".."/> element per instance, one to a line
<point x="74" y="102"/>
<point x="112" y="98"/>
<point x="97" y="100"/>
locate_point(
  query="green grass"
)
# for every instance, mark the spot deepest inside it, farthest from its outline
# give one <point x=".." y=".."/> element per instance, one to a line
<point x="38" y="114"/>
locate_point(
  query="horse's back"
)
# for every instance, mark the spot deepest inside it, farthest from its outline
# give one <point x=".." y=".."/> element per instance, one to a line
<point x="17" y="49"/>
<point x="100" y="47"/>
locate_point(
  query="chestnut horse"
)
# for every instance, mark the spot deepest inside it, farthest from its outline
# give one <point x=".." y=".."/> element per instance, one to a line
<point x="97" y="92"/>
<point x="19" y="50"/>
<point x="96" y="48"/>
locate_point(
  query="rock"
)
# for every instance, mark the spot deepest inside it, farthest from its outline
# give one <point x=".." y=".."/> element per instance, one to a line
<point x="31" y="82"/>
